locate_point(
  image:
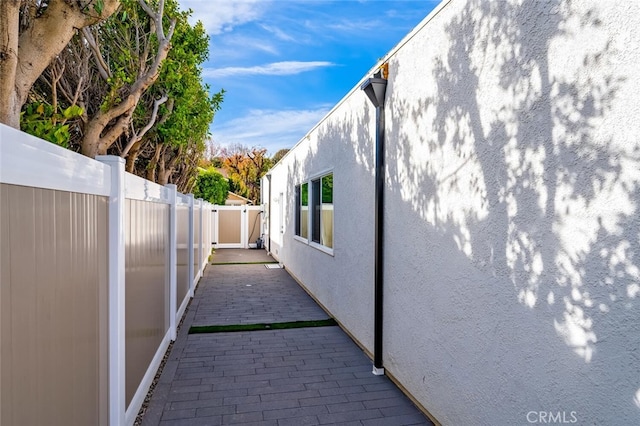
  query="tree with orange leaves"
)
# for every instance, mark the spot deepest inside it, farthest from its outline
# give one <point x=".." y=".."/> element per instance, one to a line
<point x="245" y="167"/>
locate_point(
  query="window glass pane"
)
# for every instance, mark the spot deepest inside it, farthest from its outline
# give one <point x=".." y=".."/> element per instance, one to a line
<point x="304" y="211"/>
<point x="305" y="194"/>
<point x="326" y="231"/>
<point x="327" y="189"/>
<point x="313" y="213"/>
<point x="315" y="205"/>
<point x="297" y="208"/>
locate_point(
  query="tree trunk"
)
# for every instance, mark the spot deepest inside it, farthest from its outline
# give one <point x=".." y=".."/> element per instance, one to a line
<point x="91" y="138"/>
<point x="167" y="169"/>
<point x="161" y="168"/>
<point x="151" y="168"/>
<point x="23" y="57"/>
<point x="186" y="179"/>
<point x="9" y="25"/>
<point x="94" y="141"/>
<point x="165" y="174"/>
<point x="133" y="156"/>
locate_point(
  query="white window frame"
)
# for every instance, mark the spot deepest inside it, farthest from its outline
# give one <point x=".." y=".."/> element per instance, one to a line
<point x="308" y="240"/>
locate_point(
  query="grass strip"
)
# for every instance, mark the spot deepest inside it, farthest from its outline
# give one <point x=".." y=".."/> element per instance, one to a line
<point x="196" y="329"/>
<point x="242" y="263"/>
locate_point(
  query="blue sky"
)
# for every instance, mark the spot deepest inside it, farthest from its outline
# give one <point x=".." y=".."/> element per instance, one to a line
<point x="285" y="63"/>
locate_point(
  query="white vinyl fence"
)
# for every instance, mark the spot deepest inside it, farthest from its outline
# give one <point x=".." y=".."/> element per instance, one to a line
<point x="236" y="226"/>
<point x="99" y="259"/>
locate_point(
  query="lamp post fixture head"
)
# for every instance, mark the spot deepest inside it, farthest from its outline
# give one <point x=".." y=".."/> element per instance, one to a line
<point x="375" y="89"/>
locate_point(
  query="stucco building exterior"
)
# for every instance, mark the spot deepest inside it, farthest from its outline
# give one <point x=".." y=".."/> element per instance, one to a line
<point x="511" y="234"/>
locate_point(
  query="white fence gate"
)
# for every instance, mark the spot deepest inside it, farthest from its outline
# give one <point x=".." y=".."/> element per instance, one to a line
<point x="236" y="226"/>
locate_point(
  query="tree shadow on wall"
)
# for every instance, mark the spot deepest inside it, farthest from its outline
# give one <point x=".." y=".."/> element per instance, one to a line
<point x="549" y="201"/>
<point x="341" y="140"/>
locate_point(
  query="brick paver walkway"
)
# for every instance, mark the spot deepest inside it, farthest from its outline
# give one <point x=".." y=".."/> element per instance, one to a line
<point x="304" y="376"/>
<point x="251" y="294"/>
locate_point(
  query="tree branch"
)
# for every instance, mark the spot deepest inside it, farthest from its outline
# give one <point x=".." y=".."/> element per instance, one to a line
<point x="55" y="78"/>
<point x="103" y="67"/>
<point x="77" y="94"/>
<point x="115" y="131"/>
<point x="137" y="136"/>
<point x="102" y="119"/>
<point x="166" y="115"/>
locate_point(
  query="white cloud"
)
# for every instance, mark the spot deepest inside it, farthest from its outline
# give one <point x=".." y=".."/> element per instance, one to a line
<point x="239" y="46"/>
<point x="271" y="129"/>
<point x="220" y="16"/>
<point x="275" y="68"/>
<point x="356" y="26"/>
<point x="278" y="33"/>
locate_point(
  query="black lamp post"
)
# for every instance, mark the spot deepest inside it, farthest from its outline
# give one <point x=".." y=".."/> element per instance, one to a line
<point x="375" y="89"/>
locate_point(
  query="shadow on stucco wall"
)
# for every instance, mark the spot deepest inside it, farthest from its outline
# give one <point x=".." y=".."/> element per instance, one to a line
<point x="521" y="175"/>
<point x="340" y="142"/>
<point x="512" y="236"/>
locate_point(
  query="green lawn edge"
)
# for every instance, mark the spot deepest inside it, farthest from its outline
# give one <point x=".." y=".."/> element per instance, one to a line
<point x="197" y="329"/>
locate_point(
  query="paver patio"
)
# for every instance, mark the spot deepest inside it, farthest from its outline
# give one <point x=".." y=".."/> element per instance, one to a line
<point x="301" y="376"/>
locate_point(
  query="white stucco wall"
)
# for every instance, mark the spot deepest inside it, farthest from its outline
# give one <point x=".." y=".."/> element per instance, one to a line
<point x="340" y="281"/>
<point x="512" y="244"/>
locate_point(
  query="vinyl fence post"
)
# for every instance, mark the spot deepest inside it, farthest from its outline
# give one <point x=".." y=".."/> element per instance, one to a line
<point x="206" y="238"/>
<point x="117" y="226"/>
<point x="173" y="259"/>
<point x="200" y="247"/>
<point x="190" y="244"/>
